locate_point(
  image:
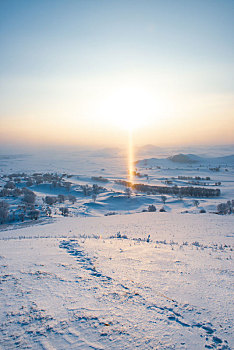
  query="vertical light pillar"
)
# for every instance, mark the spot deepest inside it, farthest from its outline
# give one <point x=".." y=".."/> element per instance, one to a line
<point x="130" y="156"/>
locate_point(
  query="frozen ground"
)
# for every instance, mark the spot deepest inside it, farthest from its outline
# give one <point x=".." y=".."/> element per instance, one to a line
<point x="145" y="280"/>
<point x="77" y="284"/>
<point x="79" y="169"/>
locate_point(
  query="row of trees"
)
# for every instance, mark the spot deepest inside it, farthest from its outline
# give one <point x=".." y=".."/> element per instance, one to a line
<point x="28" y="196"/>
<point x="185" y="191"/>
<point x="199" y="183"/>
<point x="45" y="177"/>
<point x="99" y="178"/>
<point x="51" y="200"/>
<point x="22" y="212"/>
<point x="180" y="177"/>
<point x="27" y="209"/>
<point x="54" y="180"/>
<point x="90" y="190"/>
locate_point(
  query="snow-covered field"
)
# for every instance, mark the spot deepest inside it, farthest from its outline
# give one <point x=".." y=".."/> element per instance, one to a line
<point x="160" y="280"/>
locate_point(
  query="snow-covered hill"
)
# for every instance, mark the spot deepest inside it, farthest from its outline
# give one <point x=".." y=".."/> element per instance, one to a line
<point x="109" y="276"/>
<point x="187" y="159"/>
<point x="147" y="281"/>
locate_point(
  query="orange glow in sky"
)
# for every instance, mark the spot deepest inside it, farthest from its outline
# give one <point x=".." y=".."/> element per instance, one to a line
<point x="89" y="72"/>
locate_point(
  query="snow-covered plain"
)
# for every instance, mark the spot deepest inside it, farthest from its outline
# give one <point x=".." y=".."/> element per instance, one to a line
<point x="141" y="280"/>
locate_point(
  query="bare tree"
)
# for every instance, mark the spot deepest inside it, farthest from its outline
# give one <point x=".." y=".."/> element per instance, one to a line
<point x="86" y="189"/>
<point x="61" y="198"/>
<point x="29" y="196"/>
<point x="196" y="203"/>
<point x="72" y="198"/>
<point x="67" y="185"/>
<point x="128" y="192"/>
<point x="151" y="208"/>
<point x="4" y="206"/>
<point x="48" y="211"/>
<point x="21" y="216"/>
<point x="64" y="211"/>
<point x="50" y="200"/>
<point x="10" y="185"/>
<point x="34" y="214"/>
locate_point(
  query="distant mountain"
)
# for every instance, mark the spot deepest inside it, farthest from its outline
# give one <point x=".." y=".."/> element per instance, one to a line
<point x="224" y="160"/>
<point x="187" y="159"/>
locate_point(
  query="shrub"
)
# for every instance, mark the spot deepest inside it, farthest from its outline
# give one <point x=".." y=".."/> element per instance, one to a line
<point x="128" y="192"/>
<point x="48" y="211"/>
<point x="21" y="216"/>
<point x="162" y="210"/>
<point x="72" y="198"/>
<point x="61" y="198"/>
<point x="34" y="214"/>
<point x="151" y="208"/>
<point x="196" y="203"/>
<point x="86" y="190"/>
<point x="50" y="200"/>
<point x="10" y="185"/>
<point x="225" y="208"/>
<point x="29" y="196"/>
<point x="97" y="189"/>
<point x="99" y="178"/>
<point x="64" y="211"/>
<point x="38" y="178"/>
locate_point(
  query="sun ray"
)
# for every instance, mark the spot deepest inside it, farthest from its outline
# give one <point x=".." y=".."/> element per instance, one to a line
<point x="130" y="155"/>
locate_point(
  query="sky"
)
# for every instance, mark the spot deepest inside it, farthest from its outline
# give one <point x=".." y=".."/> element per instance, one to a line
<point x="89" y="72"/>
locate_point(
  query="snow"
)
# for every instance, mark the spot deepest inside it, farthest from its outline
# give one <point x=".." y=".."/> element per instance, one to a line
<point x="72" y="284"/>
<point x="97" y="282"/>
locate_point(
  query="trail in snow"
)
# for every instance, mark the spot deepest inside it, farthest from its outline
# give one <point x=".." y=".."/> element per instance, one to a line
<point x="87" y="293"/>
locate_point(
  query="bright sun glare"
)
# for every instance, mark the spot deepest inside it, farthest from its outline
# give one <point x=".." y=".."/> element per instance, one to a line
<point x="128" y="107"/>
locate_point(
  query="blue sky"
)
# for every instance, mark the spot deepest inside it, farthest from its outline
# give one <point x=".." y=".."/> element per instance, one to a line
<point x="185" y="46"/>
<point x="66" y="37"/>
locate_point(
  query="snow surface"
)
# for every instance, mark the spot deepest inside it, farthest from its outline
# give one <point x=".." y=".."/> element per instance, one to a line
<point x="145" y="280"/>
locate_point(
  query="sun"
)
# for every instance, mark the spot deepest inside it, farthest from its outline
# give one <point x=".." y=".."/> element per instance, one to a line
<point x="128" y="107"/>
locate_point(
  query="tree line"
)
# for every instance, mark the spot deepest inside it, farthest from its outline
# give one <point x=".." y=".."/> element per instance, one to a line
<point x="183" y="191"/>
